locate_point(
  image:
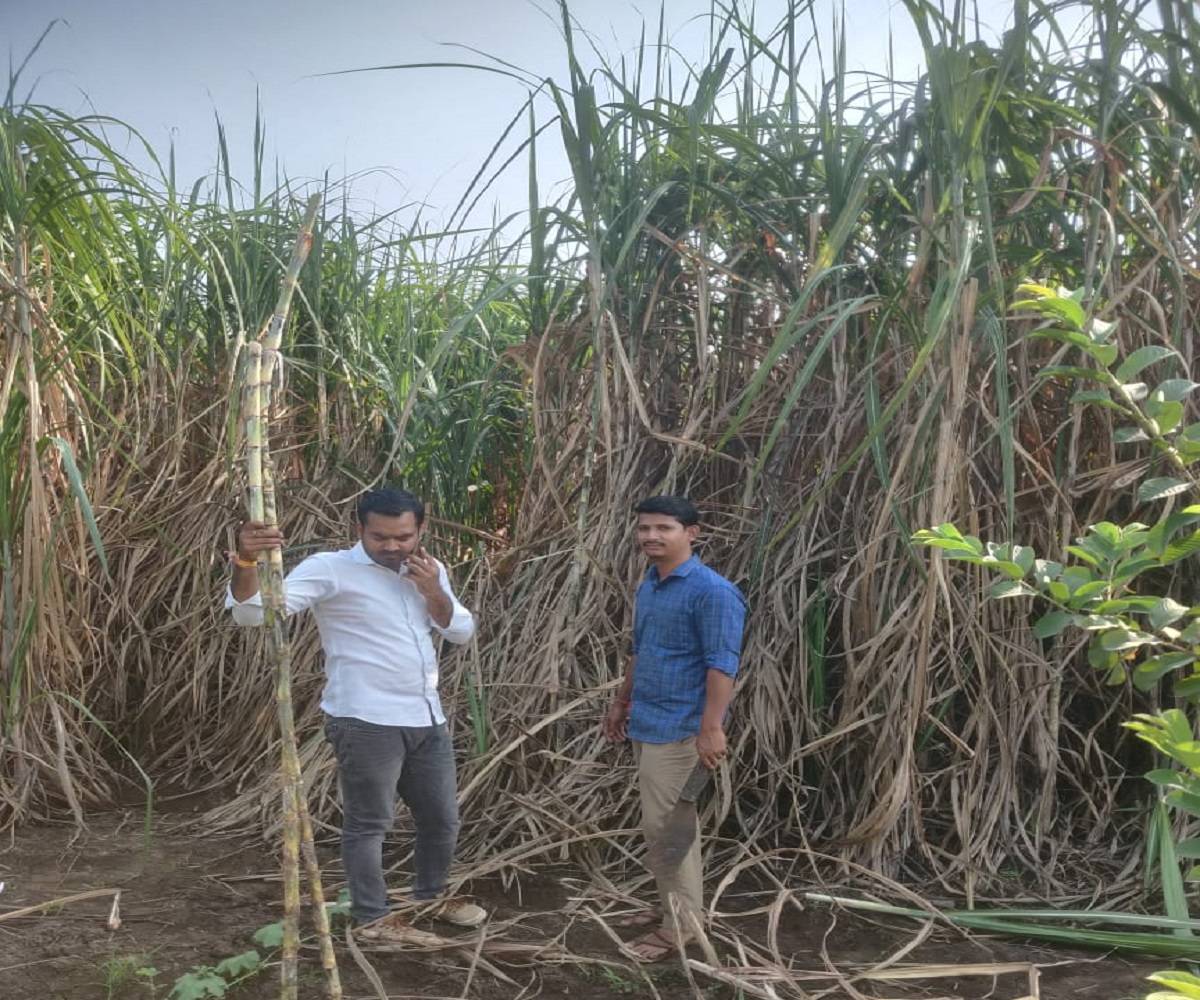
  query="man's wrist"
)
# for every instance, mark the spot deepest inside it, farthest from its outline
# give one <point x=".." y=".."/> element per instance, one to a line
<point x="711" y="727"/>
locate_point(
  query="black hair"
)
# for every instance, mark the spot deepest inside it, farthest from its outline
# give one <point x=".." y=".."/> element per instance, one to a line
<point x="680" y="508"/>
<point x="390" y="503"/>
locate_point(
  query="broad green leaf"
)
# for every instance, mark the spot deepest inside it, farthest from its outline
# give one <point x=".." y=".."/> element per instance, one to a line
<point x="1166" y="416"/>
<point x="1140" y="359"/>
<point x="239" y="965"/>
<point x="1188" y="848"/>
<point x="1119" y="639"/>
<point x="1116" y="675"/>
<point x="1044" y="572"/>
<point x="1106" y="354"/>
<point x="198" y="984"/>
<point x="1010" y="588"/>
<point x="953" y="549"/>
<point x="1101" y="658"/>
<point x="1160" y="488"/>
<point x="1024" y="557"/>
<point x="269" y="935"/>
<point x="1089" y="591"/>
<point x="1166" y="611"/>
<point x="1176" y="389"/>
<point x="1008" y="568"/>
<point x="1187" y="802"/>
<point x="1082" y="553"/>
<point x="1052" y="623"/>
<point x="1129" y="434"/>
<point x="1097" y="397"/>
<point x="1147" y="673"/>
<point x="1181" y="549"/>
<point x="1190" y="636"/>
<point x="1188" y="688"/>
<point x="1072" y="372"/>
<point x="1064" y="309"/>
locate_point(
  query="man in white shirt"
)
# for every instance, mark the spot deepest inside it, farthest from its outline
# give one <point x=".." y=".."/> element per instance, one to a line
<point x="376" y="606"/>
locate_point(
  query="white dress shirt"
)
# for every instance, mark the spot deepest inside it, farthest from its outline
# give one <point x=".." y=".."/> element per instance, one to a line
<point x="380" y="665"/>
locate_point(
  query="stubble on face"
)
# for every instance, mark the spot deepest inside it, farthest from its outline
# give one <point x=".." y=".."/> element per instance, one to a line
<point x="663" y="539"/>
<point x="390" y="539"/>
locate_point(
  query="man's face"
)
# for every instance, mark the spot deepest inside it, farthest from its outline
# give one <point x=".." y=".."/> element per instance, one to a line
<point x="663" y="539"/>
<point x="390" y="539"/>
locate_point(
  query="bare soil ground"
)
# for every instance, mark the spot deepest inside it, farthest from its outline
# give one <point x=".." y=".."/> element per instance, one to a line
<point x="189" y="900"/>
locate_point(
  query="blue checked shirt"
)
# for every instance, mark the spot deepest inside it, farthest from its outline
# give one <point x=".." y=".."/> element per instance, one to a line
<point x="683" y="626"/>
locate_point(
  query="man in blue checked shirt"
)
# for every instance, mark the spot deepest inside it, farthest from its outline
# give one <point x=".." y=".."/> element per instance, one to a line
<point x="687" y="639"/>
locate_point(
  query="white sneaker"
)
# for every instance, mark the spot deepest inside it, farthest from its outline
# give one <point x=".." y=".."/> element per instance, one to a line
<point x="460" y="913"/>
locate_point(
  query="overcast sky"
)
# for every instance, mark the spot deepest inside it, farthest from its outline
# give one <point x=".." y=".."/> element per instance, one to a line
<point x="168" y="68"/>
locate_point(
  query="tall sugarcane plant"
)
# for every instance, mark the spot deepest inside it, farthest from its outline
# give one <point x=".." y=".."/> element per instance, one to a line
<point x="262" y="360"/>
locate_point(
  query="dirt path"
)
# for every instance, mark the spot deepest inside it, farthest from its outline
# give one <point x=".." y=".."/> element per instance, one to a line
<point x="189" y="901"/>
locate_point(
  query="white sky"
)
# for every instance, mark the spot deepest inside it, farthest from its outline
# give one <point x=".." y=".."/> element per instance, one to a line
<point x="168" y="67"/>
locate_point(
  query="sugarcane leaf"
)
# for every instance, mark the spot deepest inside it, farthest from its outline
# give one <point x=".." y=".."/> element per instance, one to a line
<point x="79" y="491"/>
<point x="1174" y="897"/>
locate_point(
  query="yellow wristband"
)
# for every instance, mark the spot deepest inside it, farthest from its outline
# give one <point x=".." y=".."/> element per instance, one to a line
<point x="239" y="561"/>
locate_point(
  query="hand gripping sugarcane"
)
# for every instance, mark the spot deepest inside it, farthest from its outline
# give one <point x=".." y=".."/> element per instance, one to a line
<point x="262" y="357"/>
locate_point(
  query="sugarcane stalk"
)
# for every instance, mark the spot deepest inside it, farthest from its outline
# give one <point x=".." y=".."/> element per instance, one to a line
<point x="262" y="355"/>
<point x="295" y="811"/>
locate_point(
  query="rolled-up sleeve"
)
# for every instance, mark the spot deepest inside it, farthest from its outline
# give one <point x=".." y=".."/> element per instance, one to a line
<point x="309" y="583"/>
<point x="462" y="622"/>
<point x="722" y="617"/>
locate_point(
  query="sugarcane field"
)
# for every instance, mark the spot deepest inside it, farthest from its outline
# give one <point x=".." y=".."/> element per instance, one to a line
<point x="508" y="499"/>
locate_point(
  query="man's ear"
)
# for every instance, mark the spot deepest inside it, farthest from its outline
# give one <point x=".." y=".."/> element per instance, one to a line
<point x="693" y="532"/>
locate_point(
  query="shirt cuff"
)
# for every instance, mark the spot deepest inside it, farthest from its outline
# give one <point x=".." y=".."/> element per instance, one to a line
<point x="461" y="626"/>
<point x="247" y="612"/>
<point x="727" y="665"/>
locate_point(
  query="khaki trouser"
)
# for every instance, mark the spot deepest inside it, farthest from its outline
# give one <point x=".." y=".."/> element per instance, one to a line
<point x="663" y="768"/>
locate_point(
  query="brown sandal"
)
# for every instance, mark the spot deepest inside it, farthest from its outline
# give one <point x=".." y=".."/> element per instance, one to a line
<point x="656" y="946"/>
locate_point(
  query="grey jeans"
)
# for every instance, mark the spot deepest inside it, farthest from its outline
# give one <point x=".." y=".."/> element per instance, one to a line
<point x="375" y="763"/>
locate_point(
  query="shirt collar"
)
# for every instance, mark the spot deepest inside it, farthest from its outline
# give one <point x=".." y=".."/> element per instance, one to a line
<point x="683" y="569"/>
<point x="359" y="555"/>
